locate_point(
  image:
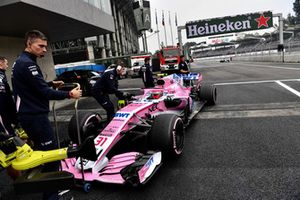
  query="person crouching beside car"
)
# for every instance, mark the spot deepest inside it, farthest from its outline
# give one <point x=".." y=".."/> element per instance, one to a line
<point x="108" y="84"/>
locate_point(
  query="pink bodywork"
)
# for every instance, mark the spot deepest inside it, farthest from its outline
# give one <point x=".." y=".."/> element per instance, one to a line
<point x="131" y="113"/>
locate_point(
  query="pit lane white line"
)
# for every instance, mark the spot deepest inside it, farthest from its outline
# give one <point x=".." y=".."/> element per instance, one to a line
<point x="288" y="88"/>
<point x="269" y="66"/>
<point x="255" y="82"/>
<point x="249" y="114"/>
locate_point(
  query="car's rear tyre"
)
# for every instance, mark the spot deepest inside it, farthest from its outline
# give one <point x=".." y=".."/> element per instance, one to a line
<point x="167" y="135"/>
<point x="88" y="122"/>
<point x="208" y="93"/>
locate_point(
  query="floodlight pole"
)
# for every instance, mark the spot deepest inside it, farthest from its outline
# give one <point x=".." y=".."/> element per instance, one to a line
<point x="179" y="28"/>
<point x="279" y="15"/>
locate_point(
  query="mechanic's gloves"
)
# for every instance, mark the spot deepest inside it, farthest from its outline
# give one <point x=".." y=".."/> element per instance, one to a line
<point x="127" y="95"/>
<point x="76" y="93"/>
<point x="119" y="94"/>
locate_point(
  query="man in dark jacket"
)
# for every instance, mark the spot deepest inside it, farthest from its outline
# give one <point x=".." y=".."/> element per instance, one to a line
<point x="32" y="94"/>
<point x="183" y="66"/>
<point x="146" y="74"/>
<point x="108" y="84"/>
<point x="7" y="104"/>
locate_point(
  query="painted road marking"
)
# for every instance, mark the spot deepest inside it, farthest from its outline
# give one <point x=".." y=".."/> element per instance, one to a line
<point x="255" y="82"/>
<point x="249" y="114"/>
<point x="288" y="88"/>
<point x="254" y="106"/>
<point x="250" y="111"/>
<point x="269" y="66"/>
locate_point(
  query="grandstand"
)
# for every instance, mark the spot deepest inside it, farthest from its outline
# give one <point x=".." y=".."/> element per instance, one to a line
<point x="254" y="44"/>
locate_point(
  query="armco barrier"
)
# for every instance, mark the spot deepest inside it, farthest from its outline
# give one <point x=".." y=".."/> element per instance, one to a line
<point x="292" y="57"/>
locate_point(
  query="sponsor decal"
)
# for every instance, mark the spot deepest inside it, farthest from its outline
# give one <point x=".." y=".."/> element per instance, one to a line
<point x="262" y="21"/>
<point x="122" y="115"/>
<point x="109" y="130"/>
<point x="34" y="73"/>
<point x="106" y="134"/>
<point x="149" y="167"/>
<point x="118" y="120"/>
<point x="145" y="168"/>
<point x="153" y="107"/>
<point x="191" y="76"/>
<point x="229" y="24"/>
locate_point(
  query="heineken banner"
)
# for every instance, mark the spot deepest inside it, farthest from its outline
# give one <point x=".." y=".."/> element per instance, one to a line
<point x="229" y="24"/>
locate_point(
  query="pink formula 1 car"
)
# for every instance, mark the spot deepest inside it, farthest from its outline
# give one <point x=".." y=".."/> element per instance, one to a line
<point x="148" y="130"/>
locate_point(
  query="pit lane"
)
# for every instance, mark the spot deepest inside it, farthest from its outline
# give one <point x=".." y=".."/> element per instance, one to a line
<point x="245" y="147"/>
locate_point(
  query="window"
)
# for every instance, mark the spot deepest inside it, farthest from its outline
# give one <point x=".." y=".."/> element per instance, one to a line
<point x="103" y="5"/>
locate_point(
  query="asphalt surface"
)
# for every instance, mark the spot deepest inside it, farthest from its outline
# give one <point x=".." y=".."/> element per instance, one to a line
<point x="245" y="147"/>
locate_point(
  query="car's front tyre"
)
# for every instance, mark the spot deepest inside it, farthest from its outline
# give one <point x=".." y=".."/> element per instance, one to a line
<point x="167" y="135"/>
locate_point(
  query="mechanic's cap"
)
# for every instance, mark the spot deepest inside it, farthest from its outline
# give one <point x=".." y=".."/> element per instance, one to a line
<point x="112" y="66"/>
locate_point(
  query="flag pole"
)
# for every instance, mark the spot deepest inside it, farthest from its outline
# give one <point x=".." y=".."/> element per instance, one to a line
<point x="163" y="23"/>
<point x="171" y="28"/>
<point x="158" y="39"/>
<point x="176" y="23"/>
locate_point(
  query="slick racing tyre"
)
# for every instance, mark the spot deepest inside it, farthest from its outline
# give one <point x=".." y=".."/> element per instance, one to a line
<point x="167" y="135"/>
<point x="208" y="93"/>
<point x="88" y="122"/>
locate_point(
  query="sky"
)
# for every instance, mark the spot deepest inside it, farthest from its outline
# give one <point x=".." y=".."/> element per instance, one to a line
<point x="192" y="10"/>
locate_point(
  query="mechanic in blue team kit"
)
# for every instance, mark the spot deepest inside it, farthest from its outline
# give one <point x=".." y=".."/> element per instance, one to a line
<point x="108" y="84"/>
<point x="183" y="66"/>
<point x="146" y="74"/>
<point x="32" y="94"/>
<point x="7" y="105"/>
<point x="184" y="69"/>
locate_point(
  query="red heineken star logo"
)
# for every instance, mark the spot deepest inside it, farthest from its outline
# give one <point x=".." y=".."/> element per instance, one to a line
<point x="262" y="21"/>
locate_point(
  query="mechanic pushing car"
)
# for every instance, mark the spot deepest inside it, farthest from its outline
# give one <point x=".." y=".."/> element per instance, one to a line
<point x="7" y="105"/>
<point x="146" y="74"/>
<point x="32" y="94"/>
<point x="108" y="84"/>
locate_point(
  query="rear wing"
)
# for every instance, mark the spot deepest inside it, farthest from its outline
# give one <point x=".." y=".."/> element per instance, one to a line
<point x="190" y="76"/>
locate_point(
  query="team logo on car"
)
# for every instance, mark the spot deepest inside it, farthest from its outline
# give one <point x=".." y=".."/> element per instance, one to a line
<point x="122" y="115"/>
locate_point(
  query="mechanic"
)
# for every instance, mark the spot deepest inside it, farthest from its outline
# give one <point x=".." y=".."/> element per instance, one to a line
<point x="108" y="84"/>
<point x="8" y="113"/>
<point x="146" y="74"/>
<point x="32" y="94"/>
<point x="7" y="105"/>
<point x="183" y="66"/>
<point x="184" y="69"/>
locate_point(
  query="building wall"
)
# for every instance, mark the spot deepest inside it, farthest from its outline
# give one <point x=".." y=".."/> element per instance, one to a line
<point x="11" y="48"/>
<point x="124" y="40"/>
<point x="90" y="14"/>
